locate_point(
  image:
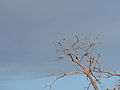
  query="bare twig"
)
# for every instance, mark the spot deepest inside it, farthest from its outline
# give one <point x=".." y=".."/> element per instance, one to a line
<point x="82" y="53"/>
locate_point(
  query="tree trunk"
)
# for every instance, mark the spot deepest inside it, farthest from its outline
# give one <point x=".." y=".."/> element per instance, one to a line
<point x="92" y="81"/>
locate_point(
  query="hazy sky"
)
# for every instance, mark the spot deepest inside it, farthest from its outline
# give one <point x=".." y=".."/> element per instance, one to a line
<point x="28" y="29"/>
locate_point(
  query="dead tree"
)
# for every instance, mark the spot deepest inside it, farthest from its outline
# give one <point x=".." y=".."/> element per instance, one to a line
<point x="81" y="52"/>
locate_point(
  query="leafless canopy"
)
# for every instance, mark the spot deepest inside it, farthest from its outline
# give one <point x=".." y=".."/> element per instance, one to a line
<point x="82" y="53"/>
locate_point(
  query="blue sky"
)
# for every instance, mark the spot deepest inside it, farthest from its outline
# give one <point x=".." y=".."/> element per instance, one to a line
<point x="28" y="29"/>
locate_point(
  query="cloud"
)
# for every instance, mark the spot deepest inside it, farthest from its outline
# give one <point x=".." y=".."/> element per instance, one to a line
<point x="3" y="84"/>
<point x="28" y="28"/>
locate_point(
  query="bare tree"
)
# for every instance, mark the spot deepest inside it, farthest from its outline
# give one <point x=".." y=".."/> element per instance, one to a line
<point x="81" y="52"/>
